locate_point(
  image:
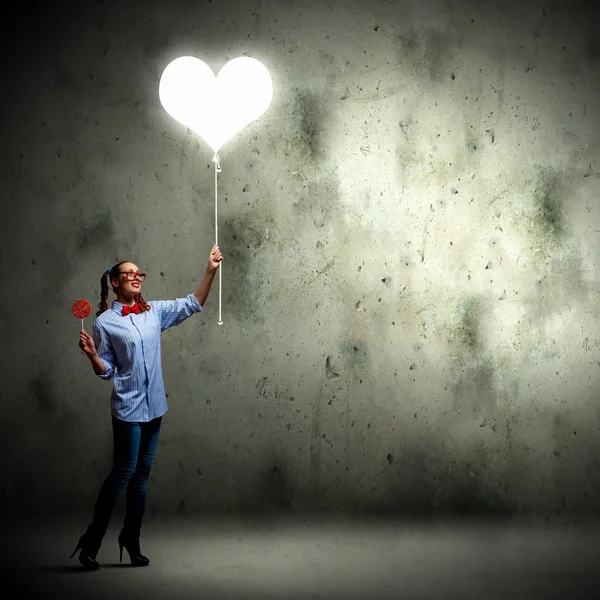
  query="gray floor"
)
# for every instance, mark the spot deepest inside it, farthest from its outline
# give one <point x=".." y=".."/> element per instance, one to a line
<point x="312" y="557"/>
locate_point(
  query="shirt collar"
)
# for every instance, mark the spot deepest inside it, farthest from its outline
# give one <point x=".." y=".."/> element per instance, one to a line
<point x="117" y="306"/>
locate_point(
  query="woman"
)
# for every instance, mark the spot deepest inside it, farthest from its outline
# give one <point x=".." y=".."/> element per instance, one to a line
<point x="126" y="345"/>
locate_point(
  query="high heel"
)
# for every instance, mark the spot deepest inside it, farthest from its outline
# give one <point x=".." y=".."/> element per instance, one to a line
<point x="133" y="548"/>
<point x="87" y="556"/>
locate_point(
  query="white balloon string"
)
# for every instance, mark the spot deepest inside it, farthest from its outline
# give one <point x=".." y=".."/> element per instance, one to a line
<point x="218" y="170"/>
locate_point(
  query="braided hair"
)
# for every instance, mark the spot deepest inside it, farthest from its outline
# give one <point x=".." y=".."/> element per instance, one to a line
<point x="106" y="277"/>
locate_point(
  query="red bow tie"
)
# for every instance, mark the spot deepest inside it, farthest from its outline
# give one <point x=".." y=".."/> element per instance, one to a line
<point x="131" y="309"/>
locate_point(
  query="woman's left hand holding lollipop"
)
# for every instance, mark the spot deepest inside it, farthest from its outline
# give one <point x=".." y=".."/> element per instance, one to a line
<point x="86" y="343"/>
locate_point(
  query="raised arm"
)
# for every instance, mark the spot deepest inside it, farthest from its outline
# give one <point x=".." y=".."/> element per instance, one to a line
<point x="213" y="264"/>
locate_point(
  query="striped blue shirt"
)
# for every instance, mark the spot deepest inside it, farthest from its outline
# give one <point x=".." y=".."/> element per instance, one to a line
<point x="130" y="349"/>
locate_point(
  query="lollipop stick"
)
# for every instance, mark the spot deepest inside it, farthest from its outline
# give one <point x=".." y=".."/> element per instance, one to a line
<point x="81" y="324"/>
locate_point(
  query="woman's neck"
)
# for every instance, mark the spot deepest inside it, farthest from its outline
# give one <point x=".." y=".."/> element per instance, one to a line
<point x="127" y="301"/>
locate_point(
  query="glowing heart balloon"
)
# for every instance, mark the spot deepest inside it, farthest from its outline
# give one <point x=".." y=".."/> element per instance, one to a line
<point x="215" y="107"/>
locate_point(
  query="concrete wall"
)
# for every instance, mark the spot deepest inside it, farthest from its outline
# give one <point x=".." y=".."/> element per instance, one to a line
<point x="410" y="236"/>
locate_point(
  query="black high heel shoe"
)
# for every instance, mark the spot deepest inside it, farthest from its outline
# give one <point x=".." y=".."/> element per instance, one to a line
<point x="87" y="556"/>
<point x="133" y="548"/>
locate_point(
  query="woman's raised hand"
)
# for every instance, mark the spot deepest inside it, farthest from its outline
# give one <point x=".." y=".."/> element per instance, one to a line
<point x="215" y="258"/>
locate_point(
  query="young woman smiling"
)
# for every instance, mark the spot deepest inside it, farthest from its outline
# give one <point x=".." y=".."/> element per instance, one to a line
<point x="126" y="346"/>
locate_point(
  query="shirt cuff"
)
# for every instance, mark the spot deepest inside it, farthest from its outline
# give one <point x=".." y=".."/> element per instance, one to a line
<point x="194" y="304"/>
<point x="108" y="371"/>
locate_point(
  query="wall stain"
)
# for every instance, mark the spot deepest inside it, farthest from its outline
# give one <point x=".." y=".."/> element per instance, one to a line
<point x="155" y="44"/>
<point x="308" y="116"/>
<point x="429" y="480"/>
<point x="358" y="353"/>
<point x="592" y="48"/>
<point x="474" y="144"/>
<point x="429" y="52"/>
<point x="98" y="231"/>
<point x="322" y="271"/>
<point x="243" y="239"/>
<point x="41" y="391"/>
<point x="474" y="390"/>
<point x="262" y="386"/>
<point x="405" y="157"/>
<point x="561" y="282"/>
<point x="548" y="208"/>
<point x="319" y="201"/>
<point x="274" y="492"/>
<point x="330" y="372"/>
<point x="315" y="445"/>
<point x="465" y="336"/>
<point x="408" y="486"/>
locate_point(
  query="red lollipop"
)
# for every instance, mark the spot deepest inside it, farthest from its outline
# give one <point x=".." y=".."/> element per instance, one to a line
<point x="82" y="309"/>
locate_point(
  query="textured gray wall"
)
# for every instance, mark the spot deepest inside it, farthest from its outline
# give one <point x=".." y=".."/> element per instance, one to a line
<point x="410" y="237"/>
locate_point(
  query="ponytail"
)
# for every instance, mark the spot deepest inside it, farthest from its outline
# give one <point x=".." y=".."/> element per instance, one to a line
<point x="142" y="304"/>
<point x="103" y="305"/>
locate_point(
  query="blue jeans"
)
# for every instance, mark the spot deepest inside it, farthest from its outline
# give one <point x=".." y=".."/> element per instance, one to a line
<point x="134" y="449"/>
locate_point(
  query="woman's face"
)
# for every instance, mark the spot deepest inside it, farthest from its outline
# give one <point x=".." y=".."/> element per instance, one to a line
<point x="126" y="285"/>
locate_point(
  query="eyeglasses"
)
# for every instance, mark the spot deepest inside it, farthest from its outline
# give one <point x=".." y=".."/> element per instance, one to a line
<point x="131" y="275"/>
